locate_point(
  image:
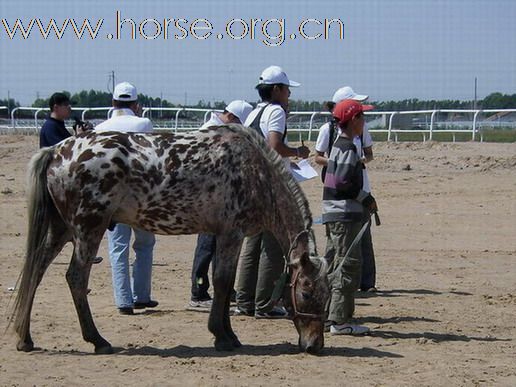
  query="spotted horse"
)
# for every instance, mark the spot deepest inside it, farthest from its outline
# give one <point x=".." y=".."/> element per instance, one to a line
<point x="223" y="180"/>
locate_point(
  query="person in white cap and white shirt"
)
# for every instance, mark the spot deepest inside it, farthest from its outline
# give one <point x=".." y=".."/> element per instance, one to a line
<point x="261" y="262"/>
<point x="138" y="293"/>
<point x="328" y="133"/>
<point x="200" y="300"/>
<point x="235" y="113"/>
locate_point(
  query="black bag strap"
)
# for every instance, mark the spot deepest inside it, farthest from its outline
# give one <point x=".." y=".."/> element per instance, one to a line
<point x="333" y="135"/>
<point x="256" y="122"/>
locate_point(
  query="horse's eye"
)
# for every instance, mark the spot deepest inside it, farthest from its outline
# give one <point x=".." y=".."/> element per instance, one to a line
<point x="306" y="295"/>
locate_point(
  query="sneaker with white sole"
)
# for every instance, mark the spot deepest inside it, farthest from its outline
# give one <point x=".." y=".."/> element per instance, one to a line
<point x="241" y="312"/>
<point x="200" y="306"/>
<point x="349" y="329"/>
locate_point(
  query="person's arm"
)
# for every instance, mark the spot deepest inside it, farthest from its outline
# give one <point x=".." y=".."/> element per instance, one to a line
<point x="322" y="145"/>
<point x="368" y="154"/>
<point x="275" y="130"/>
<point x="321" y="159"/>
<point x="367" y="145"/>
<point x="275" y="140"/>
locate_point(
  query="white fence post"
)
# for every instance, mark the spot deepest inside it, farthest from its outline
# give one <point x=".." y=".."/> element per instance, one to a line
<point x="432" y="119"/>
<point x="390" y="126"/>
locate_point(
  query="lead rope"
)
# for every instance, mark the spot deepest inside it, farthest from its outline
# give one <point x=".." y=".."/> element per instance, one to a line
<point x="281" y="282"/>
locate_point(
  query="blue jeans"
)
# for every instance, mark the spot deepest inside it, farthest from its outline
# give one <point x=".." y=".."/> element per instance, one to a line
<point x="205" y="253"/>
<point x="118" y="241"/>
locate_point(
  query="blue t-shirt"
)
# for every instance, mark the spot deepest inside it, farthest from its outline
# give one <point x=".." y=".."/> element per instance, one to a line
<point x="52" y="132"/>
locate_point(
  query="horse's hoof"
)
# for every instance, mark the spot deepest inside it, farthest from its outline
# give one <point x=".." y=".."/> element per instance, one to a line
<point x="25" y="346"/>
<point x="224" y="345"/>
<point x="236" y="343"/>
<point x="104" y="350"/>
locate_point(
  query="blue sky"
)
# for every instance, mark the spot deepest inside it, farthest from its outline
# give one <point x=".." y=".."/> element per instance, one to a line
<point x="397" y="49"/>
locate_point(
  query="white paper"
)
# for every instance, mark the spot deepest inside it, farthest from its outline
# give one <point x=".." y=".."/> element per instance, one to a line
<point x="304" y="171"/>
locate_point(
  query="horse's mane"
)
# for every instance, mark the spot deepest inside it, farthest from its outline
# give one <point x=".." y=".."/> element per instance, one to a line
<point x="277" y="163"/>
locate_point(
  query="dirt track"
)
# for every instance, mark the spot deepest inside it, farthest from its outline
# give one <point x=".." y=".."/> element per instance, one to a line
<point x="445" y="315"/>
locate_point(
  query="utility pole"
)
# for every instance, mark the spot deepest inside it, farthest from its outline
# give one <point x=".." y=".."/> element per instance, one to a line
<point x="111" y="78"/>
<point x="475" y="101"/>
<point x="8" y="102"/>
<point x="186" y="98"/>
<point x="161" y="105"/>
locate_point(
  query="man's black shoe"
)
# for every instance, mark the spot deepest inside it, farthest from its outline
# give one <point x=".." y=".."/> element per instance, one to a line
<point x="150" y="304"/>
<point x="96" y="260"/>
<point x="127" y="311"/>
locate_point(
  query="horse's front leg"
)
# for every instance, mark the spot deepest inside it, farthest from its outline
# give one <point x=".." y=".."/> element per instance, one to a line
<point x="228" y="250"/>
<point x="77" y="277"/>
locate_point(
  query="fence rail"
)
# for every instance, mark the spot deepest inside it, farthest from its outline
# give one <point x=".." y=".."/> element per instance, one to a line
<point x="394" y="123"/>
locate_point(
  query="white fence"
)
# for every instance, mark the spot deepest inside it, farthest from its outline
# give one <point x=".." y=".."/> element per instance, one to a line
<point x="426" y="123"/>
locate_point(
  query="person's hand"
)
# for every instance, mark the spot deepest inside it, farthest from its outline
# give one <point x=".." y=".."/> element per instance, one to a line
<point x="294" y="166"/>
<point x="370" y="203"/>
<point x="302" y="152"/>
<point x="81" y="126"/>
<point x="86" y="126"/>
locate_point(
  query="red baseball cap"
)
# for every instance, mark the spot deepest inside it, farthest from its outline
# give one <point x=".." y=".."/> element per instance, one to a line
<point x="349" y="108"/>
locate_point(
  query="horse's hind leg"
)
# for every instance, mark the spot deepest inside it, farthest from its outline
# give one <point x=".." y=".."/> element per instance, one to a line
<point x="57" y="237"/>
<point x="77" y="277"/>
<point x="228" y="249"/>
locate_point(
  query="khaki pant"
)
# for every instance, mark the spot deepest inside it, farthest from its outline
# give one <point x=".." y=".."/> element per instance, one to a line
<point x="261" y="264"/>
<point x="343" y="282"/>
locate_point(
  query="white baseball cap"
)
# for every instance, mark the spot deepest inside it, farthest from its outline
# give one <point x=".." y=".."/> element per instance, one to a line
<point x="273" y="75"/>
<point x="125" y="92"/>
<point x="347" y="92"/>
<point x="240" y="109"/>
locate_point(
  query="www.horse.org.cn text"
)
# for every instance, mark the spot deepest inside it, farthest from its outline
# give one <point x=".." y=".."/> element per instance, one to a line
<point x="271" y="32"/>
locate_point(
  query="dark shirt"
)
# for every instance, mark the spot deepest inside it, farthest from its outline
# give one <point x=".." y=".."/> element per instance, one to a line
<point x="52" y="132"/>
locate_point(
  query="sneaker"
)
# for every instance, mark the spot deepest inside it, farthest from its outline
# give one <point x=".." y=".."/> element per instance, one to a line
<point x="199" y="306"/>
<point x="276" y="312"/>
<point x="372" y="289"/>
<point x="149" y="304"/>
<point x="241" y="312"/>
<point x="327" y="325"/>
<point x="349" y="329"/>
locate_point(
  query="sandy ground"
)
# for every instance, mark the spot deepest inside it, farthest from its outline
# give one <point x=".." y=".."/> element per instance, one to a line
<point x="445" y="313"/>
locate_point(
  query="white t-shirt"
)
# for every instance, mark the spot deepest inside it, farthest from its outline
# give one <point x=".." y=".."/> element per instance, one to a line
<point x="323" y="143"/>
<point x="273" y="119"/>
<point x="124" y="120"/>
<point x="213" y="121"/>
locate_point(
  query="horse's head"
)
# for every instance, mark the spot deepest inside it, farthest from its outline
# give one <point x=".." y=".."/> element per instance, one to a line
<point x="306" y="295"/>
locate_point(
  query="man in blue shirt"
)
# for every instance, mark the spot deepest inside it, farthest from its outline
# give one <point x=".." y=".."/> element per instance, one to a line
<point x="53" y="130"/>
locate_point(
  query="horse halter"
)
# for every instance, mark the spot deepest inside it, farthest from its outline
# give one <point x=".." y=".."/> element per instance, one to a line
<point x="293" y="288"/>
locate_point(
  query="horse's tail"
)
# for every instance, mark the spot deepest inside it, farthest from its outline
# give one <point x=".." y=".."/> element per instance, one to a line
<point x="40" y="209"/>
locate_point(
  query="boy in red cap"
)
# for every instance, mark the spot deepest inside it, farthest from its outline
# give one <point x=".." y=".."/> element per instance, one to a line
<point x="344" y="202"/>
